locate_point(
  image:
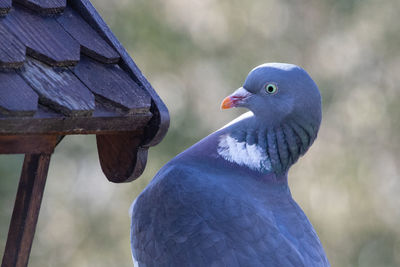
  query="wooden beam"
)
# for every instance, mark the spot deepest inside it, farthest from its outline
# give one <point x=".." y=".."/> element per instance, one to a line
<point x="30" y="144"/>
<point x="26" y="210"/>
<point x="54" y="123"/>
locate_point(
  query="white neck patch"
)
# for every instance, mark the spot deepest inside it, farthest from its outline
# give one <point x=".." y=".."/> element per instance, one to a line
<point x="243" y="154"/>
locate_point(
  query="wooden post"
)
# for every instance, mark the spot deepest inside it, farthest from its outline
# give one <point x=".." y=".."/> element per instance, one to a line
<point x="26" y="210"/>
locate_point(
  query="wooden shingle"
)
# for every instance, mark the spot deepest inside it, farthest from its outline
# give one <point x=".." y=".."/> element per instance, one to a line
<point x="44" y="38"/>
<point x="92" y="44"/>
<point x="58" y="88"/>
<point x="113" y="85"/>
<point x="44" y="6"/>
<point x="5" y="6"/>
<point x="12" y="51"/>
<point x="16" y="97"/>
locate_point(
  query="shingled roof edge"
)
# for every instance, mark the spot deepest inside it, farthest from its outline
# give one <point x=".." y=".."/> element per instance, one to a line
<point x="131" y="163"/>
<point x="159" y="123"/>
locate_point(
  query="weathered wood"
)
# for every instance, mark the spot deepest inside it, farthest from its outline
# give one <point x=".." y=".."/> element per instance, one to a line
<point x="58" y="89"/>
<point x="44" y="37"/>
<point x="121" y="157"/>
<point x="113" y="85"/>
<point x="26" y="210"/>
<point x="5" y="6"/>
<point x="121" y="113"/>
<point x="159" y="124"/>
<point x="28" y="144"/>
<point x="12" y="51"/>
<point x="16" y="97"/>
<point x="47" y="122"/>
<point x="44" y="6"/>
<point x="91" y="42"/>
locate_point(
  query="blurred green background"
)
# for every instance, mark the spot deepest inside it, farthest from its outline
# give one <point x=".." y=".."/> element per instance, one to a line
<point x="194" y="53"/>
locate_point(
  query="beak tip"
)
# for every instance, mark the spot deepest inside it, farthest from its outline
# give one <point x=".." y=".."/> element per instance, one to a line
<point x="227" y="103"/>
<point x="237" y="99"/>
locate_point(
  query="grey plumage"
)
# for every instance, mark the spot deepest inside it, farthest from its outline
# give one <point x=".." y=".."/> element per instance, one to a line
<point x="225" y="201"/>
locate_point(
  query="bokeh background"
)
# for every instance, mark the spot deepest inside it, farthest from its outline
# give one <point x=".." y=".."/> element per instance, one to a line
<point x="194" y="53"/>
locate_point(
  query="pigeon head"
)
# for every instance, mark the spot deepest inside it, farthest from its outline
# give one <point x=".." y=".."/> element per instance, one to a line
<point x="286" y="104"/>
<point x="277" y="92"/>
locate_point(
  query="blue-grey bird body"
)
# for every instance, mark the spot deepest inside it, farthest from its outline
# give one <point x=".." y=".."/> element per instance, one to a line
<point x="225" y="201"/>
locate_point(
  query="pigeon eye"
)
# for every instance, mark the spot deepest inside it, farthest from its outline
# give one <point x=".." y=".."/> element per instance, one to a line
<point x="271" y="88"/>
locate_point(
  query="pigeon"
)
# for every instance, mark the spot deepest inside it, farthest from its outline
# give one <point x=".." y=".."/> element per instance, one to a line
<point x="225" y="201"/>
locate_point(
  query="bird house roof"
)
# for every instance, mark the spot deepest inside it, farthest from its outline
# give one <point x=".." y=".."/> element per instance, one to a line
<point x="62" y="72"/>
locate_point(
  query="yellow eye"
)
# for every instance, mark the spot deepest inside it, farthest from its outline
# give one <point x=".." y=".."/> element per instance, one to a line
<point x="271" y="88"/>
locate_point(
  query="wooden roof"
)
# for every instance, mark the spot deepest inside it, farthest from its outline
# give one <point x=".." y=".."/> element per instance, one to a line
<point x="62" y="72"/>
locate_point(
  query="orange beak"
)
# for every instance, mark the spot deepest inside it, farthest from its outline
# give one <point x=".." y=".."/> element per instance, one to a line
<point x="228" y="102"/>
<point x="235" y="99"/>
